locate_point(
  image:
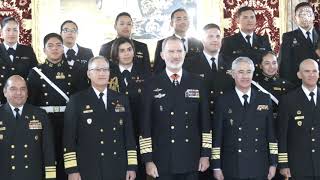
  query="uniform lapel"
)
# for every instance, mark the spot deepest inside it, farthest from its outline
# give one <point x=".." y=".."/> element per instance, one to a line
<point x="315" y="37"/>
<point x="5" y="56"/>
<point x="301" y="38"/>
<point x="10" y="121"/>
<point x="243" y="42"/>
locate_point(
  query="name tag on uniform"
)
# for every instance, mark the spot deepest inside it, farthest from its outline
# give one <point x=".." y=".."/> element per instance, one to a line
<point x="23" y="57"/>
<point x="35" y="124"/>
<point x="158" y="96"/>
<point x="277" y="88"/>
<point x="192" y="93"/>
<point x="298" y="117"/>
<point x="88" y="111"/>
<point x="119" y="108"/>
<point x="262" y="107"/>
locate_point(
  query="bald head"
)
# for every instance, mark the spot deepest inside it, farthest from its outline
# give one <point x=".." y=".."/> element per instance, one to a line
<point x="309" y="73"/>
<point x="15" y="90"/>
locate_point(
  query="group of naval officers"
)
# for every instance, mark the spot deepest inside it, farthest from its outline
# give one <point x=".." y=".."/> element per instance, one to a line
<point x="220" y="108"/>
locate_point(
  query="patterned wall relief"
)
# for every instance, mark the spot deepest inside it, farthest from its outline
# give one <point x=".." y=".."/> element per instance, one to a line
<point x="21" y="10"/>
<point x="267" y="14"/>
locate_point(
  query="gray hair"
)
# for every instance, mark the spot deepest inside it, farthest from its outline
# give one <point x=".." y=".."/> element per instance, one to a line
<point x="96" y="58"/>
<point x="238" y="60"/>
<point x="171" y="38"/>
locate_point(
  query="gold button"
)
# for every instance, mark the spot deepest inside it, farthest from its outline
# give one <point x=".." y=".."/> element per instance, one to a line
<point x="172" y="127"/>
<point x="240" y="128"/>
<point x="12" y="69"/>
<point x="312" y="128"/>
<point x="25" y="146"/>
<point x="221" y="92"/>
<point x="313" y="140"/>
<point x="256" y="150"/>
<point x="114" y="128"/>
<point x="256" y="140"/>
<point x="12" y="157"/>
<point x="25" y="156"/>
<point x="68" y="93"/>
<point x="114" y="141"/>
<point x="102" y="154"/>
<point x="26" y="167"/>
<point x="12" y="146"/>
<point x="239" y="139"/>
<point x="69" y="83"/>
<point x="43" y="85"/>
<point x="47" y="103"/>
<point x="211" y="102"/>
<point x="211" y="92"/>
<point x="239" y="150"/>
<point x="172" y="141"/>
<point x="13" y="167"/>
<point x="114" y="153"/>
<point x="187" y="140"/>
<point x="313" y="150"/>
<point x="46" y="94"/>
<point x="127" y="92"/>
<point x="101" y="142"/>
<point x="186" y="112"/>
<point x="101" y="130"/>
<point x="187" y="127"/>
<point x="172" y="113"/>
<point x="257" y="129"/>
<point x="211" y="112"/>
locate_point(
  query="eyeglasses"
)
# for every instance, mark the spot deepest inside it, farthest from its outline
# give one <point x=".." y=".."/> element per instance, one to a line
<point x="98" y="70"/>
<point x="66" y="30"/>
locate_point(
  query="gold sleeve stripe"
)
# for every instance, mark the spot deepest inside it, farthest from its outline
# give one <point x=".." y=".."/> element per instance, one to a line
<point x="70" y="154"/>
<point x="273" y="147"/>
<point x="132" y="157"/>
<point x="70" y="164"/>
<point x="283" y="157"/>
<point x="50" y="172"/>
<point x="145" y="145"/>
<point x="215" y="153"/>
<point x="146" y="150"/>
<point x="207" y="145"/>
<point x="70" y="160"/>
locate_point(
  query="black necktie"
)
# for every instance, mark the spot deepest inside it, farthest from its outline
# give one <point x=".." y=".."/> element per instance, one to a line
<point x="175" y="79"/>
<point x="245" y="103"/>
<point x="71" y="55"/>
<point x="184" y="46"/>
<point x="17" y="113"/>
<point x="312" y="100"/>
<point x="213" y="65"/>
<point x="126" y="75"/>
<point x="248" y="37"/>
<point x="11" y="52"/>
<point x="101" y="100"/>
<point x="309" y="38"/>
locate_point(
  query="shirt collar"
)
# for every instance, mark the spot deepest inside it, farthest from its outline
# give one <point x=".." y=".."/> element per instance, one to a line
<point x="169" y="73"/>
<point x="244" y="36"/>
<point x="240" y="94"/>
<point x="98" y="92"/>
<point x="307" y="92"/>
<point x="304" y="32"/>
<point x="208" y="57"/>
<point x="74" y="47"/>
<point x="12" y="108"/>
<point x="123" y="68"/>
<point x="7" y="46"/>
